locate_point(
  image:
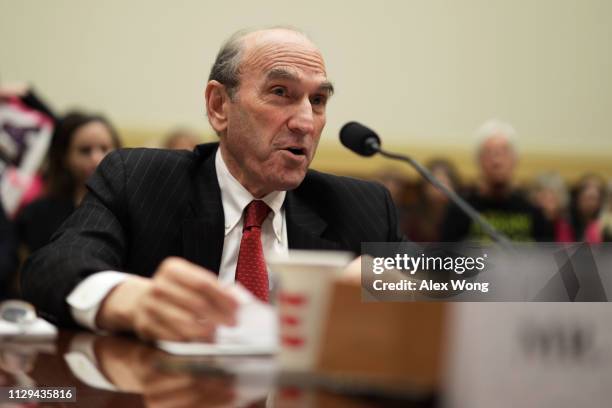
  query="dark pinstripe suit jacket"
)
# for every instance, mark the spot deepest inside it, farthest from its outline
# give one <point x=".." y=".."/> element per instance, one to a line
<point x="144" y="205"/>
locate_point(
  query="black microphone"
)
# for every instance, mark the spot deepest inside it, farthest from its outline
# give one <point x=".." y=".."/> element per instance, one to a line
<point x="360" y="139"/>
<point x="365" y="142"/>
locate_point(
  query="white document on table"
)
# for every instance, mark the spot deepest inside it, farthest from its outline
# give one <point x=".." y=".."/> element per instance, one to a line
<point x="256" y="332"/>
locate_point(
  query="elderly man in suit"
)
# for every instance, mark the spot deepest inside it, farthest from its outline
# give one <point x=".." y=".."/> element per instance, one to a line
<point x="161" y="233"/>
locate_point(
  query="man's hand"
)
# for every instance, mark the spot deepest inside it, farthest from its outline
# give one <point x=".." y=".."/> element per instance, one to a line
<point x="181" y="302"/>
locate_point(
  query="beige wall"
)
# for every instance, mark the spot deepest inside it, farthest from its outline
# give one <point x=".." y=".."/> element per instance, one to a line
<point x="423" y="73"/>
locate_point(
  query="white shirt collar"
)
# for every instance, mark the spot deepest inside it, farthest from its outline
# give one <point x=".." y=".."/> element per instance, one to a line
<point x="235" y="198"/>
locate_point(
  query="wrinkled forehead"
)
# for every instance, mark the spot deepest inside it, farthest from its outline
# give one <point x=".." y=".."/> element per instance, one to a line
<point x="269" y="50"/>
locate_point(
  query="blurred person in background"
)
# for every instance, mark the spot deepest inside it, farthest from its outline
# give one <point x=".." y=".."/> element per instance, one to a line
<point x="606" y="215"/>
<point x="8" y="256"/>
<point x="551" y="196"/>
<point x="30" y="98"/>
<point x="495" y="196"/>
<point x="585" y="208"/>
<point x="17" y="137"/>
<point x="80" y="142"/>
<point x="425" y="218"/>
<point x="397" y="184"/>
<point x="181" y="139"/>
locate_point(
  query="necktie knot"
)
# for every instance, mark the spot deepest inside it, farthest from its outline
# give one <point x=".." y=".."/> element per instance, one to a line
<point x="255" y="214"/>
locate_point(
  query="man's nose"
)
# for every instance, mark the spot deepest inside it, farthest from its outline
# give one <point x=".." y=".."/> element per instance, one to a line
<point x="302" y="121"/>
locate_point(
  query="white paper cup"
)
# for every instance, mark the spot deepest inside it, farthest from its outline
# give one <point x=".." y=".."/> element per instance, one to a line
<point x="305" y="281"/>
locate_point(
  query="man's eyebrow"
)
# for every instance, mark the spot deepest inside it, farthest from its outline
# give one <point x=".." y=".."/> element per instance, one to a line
<point x="284" y="74"/>
<point x="327" y="87"/>
<point x="280" y="73"/>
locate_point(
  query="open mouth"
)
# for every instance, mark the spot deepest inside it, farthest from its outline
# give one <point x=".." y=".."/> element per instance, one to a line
<point x="296" y="151"/>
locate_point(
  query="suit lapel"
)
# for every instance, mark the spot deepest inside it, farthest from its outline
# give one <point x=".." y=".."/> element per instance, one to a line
<point x="203" y="227"/>
<point x="305" y="228"/>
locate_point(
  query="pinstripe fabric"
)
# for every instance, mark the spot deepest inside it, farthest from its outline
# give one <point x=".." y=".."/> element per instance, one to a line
<point x="144" y="205"/>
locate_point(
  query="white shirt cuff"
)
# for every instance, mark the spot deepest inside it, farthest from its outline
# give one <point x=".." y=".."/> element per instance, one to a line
<point x="86" y="298"/>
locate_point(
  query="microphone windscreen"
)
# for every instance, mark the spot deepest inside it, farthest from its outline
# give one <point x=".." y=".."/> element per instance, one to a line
<point x="358" y="138"/>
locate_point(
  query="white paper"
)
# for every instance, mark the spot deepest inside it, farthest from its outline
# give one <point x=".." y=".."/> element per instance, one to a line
<point x="256" y="331"/>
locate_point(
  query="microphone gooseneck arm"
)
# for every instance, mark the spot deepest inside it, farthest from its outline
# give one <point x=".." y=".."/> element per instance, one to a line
<point x="501" y="239"/>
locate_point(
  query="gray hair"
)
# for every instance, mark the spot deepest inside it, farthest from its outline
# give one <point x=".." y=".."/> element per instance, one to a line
<point x="226" y="69"/>
<point x="553" y="182"/>
<point x="495" y="127"/>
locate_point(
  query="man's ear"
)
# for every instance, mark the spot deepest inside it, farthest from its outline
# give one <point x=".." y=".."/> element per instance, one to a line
<point x="217" y="100"/>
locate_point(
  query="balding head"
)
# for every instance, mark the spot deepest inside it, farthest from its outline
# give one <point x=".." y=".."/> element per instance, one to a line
<point x="248" y="47"/>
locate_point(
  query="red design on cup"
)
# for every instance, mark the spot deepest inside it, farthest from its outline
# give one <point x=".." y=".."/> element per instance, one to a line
<point x="289" y="320"/>
<point x="293" y="299"/>
<point x="292" y="341"/>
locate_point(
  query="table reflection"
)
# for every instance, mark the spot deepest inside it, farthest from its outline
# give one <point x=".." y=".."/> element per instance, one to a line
<point x="127" y="365"/>
<point x="116" y="371"/>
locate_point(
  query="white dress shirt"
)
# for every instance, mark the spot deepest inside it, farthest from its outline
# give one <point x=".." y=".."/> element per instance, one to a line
<point x="86" y="298"/>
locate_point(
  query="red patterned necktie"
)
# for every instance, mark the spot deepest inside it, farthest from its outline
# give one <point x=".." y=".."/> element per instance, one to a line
<point x="251" y="269"/>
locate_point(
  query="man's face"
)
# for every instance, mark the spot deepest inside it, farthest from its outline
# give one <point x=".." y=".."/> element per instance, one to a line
<point x="497" y="161"/>
<point x="275" y="119"/>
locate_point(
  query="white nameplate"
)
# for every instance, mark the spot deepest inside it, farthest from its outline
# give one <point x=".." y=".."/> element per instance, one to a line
<point x="530" y="355"/>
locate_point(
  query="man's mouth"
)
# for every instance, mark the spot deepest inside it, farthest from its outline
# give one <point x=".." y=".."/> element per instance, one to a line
<point x="298" y="151"/>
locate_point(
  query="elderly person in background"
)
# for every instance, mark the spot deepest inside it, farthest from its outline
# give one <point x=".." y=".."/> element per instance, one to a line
<point x="495" y="195"/>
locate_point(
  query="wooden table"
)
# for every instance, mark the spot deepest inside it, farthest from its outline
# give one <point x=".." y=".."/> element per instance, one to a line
<point x="116" y="371"/>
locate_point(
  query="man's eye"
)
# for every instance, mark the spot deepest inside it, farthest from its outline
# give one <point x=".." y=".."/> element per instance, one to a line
<point x="279" y="91"/>
<point x="318" y="100"/>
